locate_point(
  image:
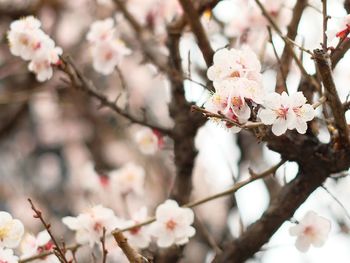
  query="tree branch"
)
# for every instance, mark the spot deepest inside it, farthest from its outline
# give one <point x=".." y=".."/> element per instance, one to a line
<point x="194" y="20"/>
<point x="323" y="64"/>
<point x="79" y="81"/>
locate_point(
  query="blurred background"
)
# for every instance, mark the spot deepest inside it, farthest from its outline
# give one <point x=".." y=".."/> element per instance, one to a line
<point x="58" y="146"/>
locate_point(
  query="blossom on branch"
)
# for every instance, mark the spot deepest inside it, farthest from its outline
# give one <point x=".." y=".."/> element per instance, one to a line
<point x="11" y="231"/>
<point x="286" y="112"/>
<point x="29" y="42"/>
<point x="173" y="224"/>
<point x="311" y="230"/>
<point x="138" y="237"/>
<point x="89" y="225"/>
<point x="106" y="48"/>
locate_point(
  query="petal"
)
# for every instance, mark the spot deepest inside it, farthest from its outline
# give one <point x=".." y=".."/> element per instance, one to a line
<point x="295" y="230"/>
<point x="267" y="116"/>
<point x="307" y="112"/>
<point x="302" y="244"/>
<point x="297" y="99"/>
<point x="279" y="126"/>
<point x="301" y="126"/>
<point x="272" y="101"/>
<point x="165" y="241"/>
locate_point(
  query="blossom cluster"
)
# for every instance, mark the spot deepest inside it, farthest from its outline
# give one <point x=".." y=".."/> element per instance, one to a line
<point x="172" y="225"/>
<point x="238" y="91"/>
<point x="106" y="48"/>
<point x="28" y="41"/>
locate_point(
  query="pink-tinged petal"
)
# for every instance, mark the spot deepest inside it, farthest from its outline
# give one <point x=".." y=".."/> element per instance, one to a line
<point x="301" y="126"/>
<point x="302" y="244"/>
<point x="267" y="116"/>
<point x="297" y="99"/>
<point x="279" y="126"/>
<point x="295" y="230"/>
<point x="307" y="112"/>
<point x="165" y="241"/>
<point x="272" y="101"/>
<point x="285" y="99"/>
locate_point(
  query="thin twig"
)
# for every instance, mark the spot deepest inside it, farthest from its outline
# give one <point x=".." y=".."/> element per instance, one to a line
<point x="325" y="19"/>
<point x="57" y="249"/>
<point x="103" y="245"/>
<point x="81" y="82"/>
<point x="337" y="201"/>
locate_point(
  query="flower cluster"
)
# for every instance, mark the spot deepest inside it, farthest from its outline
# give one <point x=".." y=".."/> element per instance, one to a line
<point x="237" y="80"/>
<point x="238" y="89"/>
<point x="11" y="232"/>
<point x="171" y="227"/>
<point x="311" y="230"/>
<point x="106" y="48"/>
<point x="29" y="42"/>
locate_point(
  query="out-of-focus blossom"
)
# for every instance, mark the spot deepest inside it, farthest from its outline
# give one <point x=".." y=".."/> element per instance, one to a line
<point x="89" y="225"/>
<point x="28" y="41"/>
<point x="7" y="256"/>
<point x="108" y="54"/>
<point x="11" y="231"/>
<point x="147" y="140"/>
<point x="32" y="245"/>
<point x="311" y="230"/>
<point x="173" y="224"/>
<point x="286" y="112"/>
<point x="339" y="31"/>
<point x="130" y="178"/>
<point x="101" y="30"/>
<point x="138" y="237"/>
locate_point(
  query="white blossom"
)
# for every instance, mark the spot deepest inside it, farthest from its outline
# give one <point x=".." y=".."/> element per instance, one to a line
<point x="28" y="41"/>
<point x="32" y="245"/>
<point x="108" y="54"/>
<point x="7" y="256"/>
<point x="138" y="237"/>
<point x="101" y="30"/>
<point x="286" y="112"/>
<point x="173" y="224"/>
<point x="11" y="231"/>
<point x="146" y="140"/>
<point x="89" y="225"/>
<point x="311" y="230"/>
<point x="130" y="178"/>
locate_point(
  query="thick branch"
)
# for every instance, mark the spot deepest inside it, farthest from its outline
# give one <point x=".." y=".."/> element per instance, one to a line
<point x="281" y="209"/>
<point x="286" y="57"/>
<point x="198" y="30"/>
<point x="323" y="64"/>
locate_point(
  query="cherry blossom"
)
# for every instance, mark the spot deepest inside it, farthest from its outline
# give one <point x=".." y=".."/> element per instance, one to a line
<point x="11" y="231"/>
<point x="43" y="60"/>
<point x="311" y="230"/>
<point x="89" y="225"/>
<point x="147" y="140"/>
<point x="101" y="30"/>
<point x="173" y="224"/>
<point x="25" y="37"/>
<point x="130" y="178"/>
<point x="286" y="112"/>
<point x="28" y="41"/>
<point x="7" y="256"/>
<point x="32" y="245"/>
<point x="138" y="237"/>
<point x="234" y="63"/>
